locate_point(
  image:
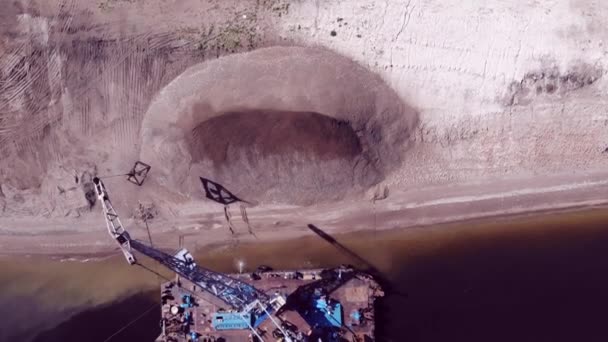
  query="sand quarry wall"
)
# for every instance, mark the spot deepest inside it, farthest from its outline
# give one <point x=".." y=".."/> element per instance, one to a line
<point x="504" y="90"/>
<point x="500" y="90"/>
<point x="286" y="124"/>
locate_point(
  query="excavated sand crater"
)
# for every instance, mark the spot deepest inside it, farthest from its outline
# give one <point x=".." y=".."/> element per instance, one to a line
<point x="285" y="124"/>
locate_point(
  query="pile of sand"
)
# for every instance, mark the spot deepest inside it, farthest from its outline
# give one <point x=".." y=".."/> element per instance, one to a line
<point x="283" y="124"/>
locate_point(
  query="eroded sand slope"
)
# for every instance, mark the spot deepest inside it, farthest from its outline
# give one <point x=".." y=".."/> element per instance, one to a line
<point x="508" y="102"/>
<point x="298" y="126"/>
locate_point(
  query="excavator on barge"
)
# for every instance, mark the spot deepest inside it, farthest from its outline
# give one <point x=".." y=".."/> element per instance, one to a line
<point x="292" y="306"/>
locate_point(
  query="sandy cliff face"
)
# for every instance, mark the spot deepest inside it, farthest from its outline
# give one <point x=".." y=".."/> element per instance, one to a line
<point x="501" y="92"/>
<point x="76" y="79"/>
<point x="504" y="90"/>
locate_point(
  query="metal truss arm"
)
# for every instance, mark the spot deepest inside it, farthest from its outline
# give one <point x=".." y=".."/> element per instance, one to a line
<point x="233" y="292"/>
<point x="115" y="228"/>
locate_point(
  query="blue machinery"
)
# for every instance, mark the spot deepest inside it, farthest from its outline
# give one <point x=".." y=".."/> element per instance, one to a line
<point x="233" y="292"/>
<point x="252" y="305"/>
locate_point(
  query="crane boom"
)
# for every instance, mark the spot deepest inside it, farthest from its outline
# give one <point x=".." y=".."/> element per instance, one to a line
<point x="238" y="294"/>
<point x="115" y="227"/>
<point x="233" y="292"/>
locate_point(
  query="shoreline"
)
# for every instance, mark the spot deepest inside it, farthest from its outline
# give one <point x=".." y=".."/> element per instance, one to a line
<point x="582" y="214"/>
<point x="201" y="225"/>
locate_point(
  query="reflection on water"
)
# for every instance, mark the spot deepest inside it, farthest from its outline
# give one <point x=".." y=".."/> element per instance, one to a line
<point x="543" y="285"/>
<point x="37" y="294"/>
<point x="107" y="321"/>
<point x="538" y="279"/>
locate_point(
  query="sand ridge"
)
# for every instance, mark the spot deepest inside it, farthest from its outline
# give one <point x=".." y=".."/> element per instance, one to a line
<point x="291" y="82"/>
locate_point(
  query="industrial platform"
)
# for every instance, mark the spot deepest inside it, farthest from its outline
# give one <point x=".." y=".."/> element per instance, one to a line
<point x="297" y="306"/>
<point x="190" y="313"/>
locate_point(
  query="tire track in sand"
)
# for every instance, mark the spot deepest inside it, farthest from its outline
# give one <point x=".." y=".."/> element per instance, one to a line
<point x="37" y="113"/>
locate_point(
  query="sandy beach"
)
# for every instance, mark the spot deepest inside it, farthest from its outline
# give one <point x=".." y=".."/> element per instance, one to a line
<point x="395" y="121"/>
<point x="410" y="209"/>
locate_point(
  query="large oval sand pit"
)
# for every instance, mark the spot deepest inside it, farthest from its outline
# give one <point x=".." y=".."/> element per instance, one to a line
<point x="302" y="151"/>
<point x="288" y="125"/>
<point x="257" y="135"/>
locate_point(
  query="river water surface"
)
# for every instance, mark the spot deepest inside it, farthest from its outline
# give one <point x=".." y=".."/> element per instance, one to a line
<point x="539" y="278"/>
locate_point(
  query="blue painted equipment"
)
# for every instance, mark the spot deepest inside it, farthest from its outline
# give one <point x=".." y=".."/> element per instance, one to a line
<point x="239" y="320"/>
<point x="187" y="318"/>
<point x="231" y="321"/>
<point x="356" y="316"/>
<point x="325" y="314"/>
<point x="233" y="292"/>
<point x="187" y="301"/>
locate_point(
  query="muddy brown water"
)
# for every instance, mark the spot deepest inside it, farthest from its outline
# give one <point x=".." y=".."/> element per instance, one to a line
<point x="533" y="279"/>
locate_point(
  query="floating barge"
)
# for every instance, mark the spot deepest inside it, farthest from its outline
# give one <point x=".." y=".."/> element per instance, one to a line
<point x="295" y="306"/>
<point x="327" y="305"/>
